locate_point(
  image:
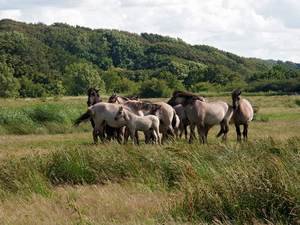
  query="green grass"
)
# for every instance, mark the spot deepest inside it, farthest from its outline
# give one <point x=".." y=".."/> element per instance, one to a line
<point x="234" y="183"/>
<point x="220" y="183"/>
<point x="39" y="118"/>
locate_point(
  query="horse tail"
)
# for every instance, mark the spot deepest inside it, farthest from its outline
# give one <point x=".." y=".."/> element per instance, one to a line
<point x="175" y="120"/>
<point x="84" y="117"/>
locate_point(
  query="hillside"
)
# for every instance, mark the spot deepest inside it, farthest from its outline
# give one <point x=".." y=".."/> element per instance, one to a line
<point x="40" y="60"/>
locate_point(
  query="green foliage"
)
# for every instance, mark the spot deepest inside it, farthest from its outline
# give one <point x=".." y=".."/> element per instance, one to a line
<point x="78" y="77"/>
<point x="62" y="59"/>
<point x="154" y="88"/>
<point x="115" y="81"/>
<point x="9" y="85"/>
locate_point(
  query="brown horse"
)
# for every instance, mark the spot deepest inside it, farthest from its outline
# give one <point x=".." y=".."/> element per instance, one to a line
<point x="242" y="113"/>
<point x="203" y="114"/>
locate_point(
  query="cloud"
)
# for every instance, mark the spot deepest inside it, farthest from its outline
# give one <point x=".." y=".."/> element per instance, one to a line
<point x="264" y="29"/>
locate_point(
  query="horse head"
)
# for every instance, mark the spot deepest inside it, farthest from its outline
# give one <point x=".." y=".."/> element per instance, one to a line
<point x="235" y="95"/>
<point x="93" y="96"/>
<point x="113" y="98"/>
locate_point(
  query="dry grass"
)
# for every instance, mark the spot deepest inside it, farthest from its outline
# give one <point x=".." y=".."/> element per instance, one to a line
<point x="109" y="204"/>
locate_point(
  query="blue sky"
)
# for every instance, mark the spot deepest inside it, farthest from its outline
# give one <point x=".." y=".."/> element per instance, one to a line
<point x="268" y="29"/>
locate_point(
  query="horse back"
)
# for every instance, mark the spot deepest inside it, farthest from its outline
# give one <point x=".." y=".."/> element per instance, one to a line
<point x="246" y="109"/>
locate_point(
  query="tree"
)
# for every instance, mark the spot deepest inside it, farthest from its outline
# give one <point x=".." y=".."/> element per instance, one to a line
<point x="78" y="77"/>
<point x="9" y="85"/>
<point x="154" y="88"/>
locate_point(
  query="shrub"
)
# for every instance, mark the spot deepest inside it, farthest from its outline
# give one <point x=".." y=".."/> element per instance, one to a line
<point x="154" y="88"/>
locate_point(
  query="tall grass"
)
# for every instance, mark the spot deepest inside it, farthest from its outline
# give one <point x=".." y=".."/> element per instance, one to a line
<point x="38" y="118"/>
<point x="227" y="183"/>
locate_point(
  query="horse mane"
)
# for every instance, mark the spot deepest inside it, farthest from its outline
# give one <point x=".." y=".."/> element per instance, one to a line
<point x="188" y="95"/>
<point x="90" y="90"/>
<point x="183" y="94"/>
<point x="236" y="92"/>
<point x="139" y="105"/>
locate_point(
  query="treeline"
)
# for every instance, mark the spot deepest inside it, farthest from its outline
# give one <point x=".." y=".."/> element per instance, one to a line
<point x="39" y="60"/>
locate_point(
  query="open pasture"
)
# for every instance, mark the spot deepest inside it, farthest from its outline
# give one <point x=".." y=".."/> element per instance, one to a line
<point x="50" y="173"/>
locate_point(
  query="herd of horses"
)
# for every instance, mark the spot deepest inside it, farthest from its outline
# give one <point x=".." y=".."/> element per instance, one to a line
<point x="122" y="117"/>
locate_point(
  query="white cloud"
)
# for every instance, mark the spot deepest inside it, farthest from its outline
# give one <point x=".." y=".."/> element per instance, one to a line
<point x="265" y="28"/>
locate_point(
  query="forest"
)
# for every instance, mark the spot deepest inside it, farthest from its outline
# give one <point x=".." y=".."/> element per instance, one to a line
<point x="38" y="60"/>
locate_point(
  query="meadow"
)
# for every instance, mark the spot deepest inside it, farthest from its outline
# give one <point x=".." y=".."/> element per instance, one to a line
<point x="51" y="173"/>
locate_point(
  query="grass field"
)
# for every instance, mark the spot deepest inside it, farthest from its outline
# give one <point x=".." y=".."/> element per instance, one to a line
<point x="50" y="173"/>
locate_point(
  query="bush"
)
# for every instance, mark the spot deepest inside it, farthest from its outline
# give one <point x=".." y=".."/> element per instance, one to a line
<point x="9" y="85"/>
<point x="78" y="77"/>
<point x="154" y="88"/>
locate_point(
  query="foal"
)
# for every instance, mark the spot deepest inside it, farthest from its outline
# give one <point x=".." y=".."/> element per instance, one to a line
<point x="139" y="123"/>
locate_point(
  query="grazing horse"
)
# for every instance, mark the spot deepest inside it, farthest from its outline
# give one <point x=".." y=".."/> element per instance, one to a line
<point x="242" y="113"/>
<point x="203" y="114"/>
<point x="134" y="123"/>
<point x="102" y="114"/>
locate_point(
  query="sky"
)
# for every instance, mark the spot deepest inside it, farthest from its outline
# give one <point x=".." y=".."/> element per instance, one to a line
<point x="268" y="29"/>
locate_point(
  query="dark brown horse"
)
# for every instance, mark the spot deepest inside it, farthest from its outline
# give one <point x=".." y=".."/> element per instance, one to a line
<point x="242" y="113"/>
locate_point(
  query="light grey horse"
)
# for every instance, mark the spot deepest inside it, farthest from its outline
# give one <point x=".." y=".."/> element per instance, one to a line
<point x="102" y="114"/>
<point x="203" y="114"/>
<point x="242" y="113"/>
<point x="134" y="123"/>
<point x="165" y="113"/>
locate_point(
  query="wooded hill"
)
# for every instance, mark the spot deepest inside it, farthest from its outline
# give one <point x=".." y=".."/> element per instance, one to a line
<point x="39" y="60"/>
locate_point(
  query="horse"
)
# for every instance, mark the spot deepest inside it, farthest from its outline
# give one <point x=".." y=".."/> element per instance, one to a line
<point x="165" y="113"/>
<point x="111" y="133"/>
<point x="203" y="114"/>
<point x="184" y="122"/>
<point x="114" y="98"/>
<point x="102" y="114"/>
<point x="93" y="98"/>
<point x="180" y="96"/>
<point x="242" y="114"/>
<point x="139" y="123"/>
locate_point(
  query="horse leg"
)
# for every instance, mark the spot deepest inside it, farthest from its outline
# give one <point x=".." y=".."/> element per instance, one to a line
<point x="185" y="132"/>
<point x="226" y="129"/>
<point x="201" y="132"/>
<point x="133" y="137"/>
<point x="206" y="129"/>
<point x="221" y="130"/>
<point x="136" y="135"/>
<point x="238" y="132"/>
<point x="119" y="135"/>
<point x="245" y="132"/>
<point x="95" y="136"/>
<point x="126" y="135"/>
<point x="192" y="133"/>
